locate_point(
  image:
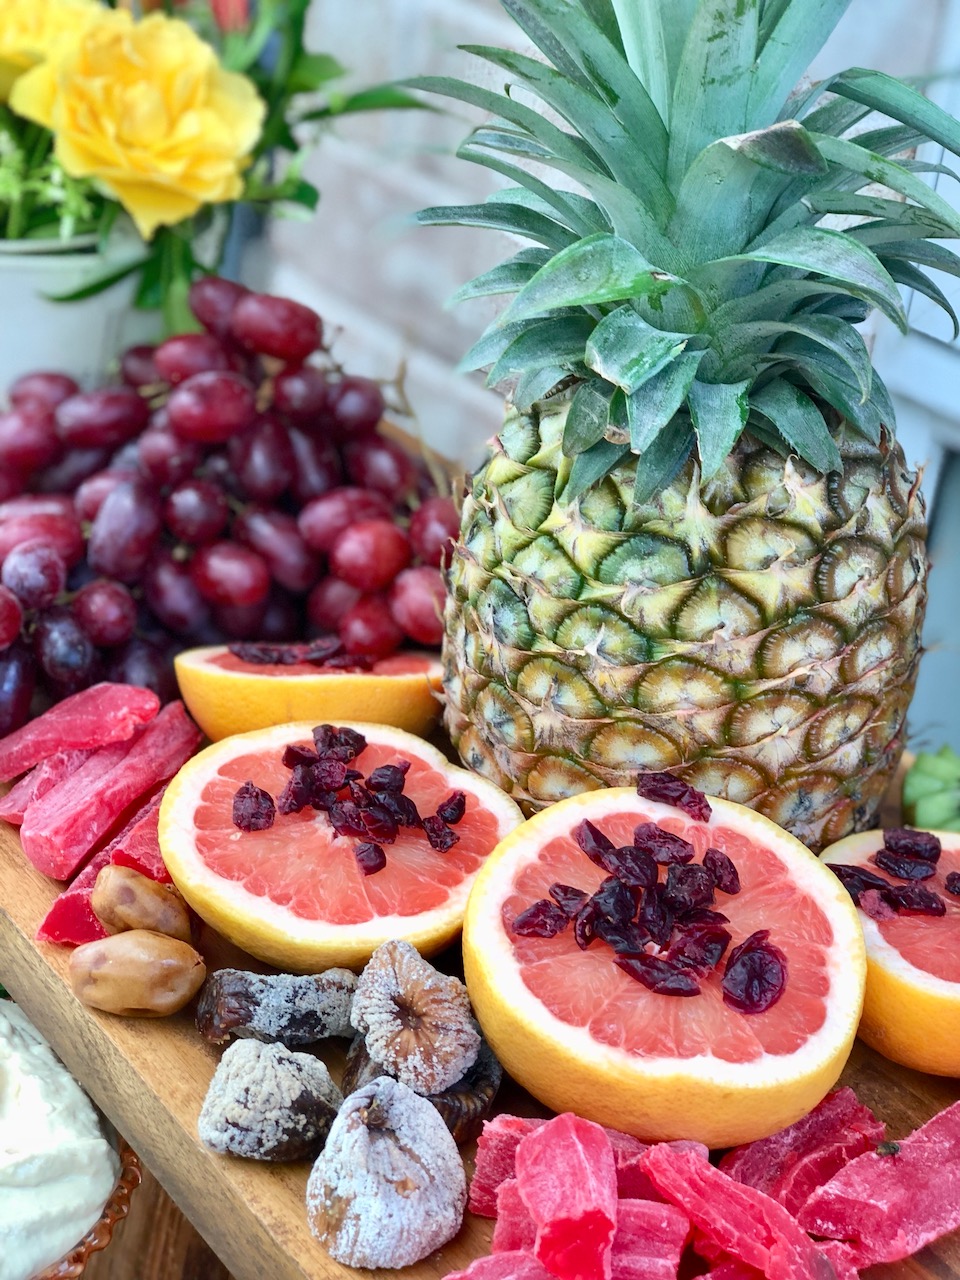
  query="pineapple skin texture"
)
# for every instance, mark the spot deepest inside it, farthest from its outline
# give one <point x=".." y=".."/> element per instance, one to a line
<point x="758" y="636"/>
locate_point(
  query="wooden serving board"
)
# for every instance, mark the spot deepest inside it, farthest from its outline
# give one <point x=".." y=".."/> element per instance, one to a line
<point x="150" y="1076"/>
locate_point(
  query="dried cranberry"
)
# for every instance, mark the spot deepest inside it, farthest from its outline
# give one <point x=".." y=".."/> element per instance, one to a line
<point x="626" y="939"/>
<point x="348" y="662"/>
<point x="655" y="916"/>
<point x="339" y="744"/>
<point x="258" y="654"/>
<point x="661" y="976"/>
<point x="453" y="808"/>
<point x="700" y="949"/>
<point x="615" y="901"/>
<point x="909" y="843"/>
<point x="916" y="900"/>
<point x="380" y="823"/>
<point x="298" y="792"/>
<point x="320" y="651"/>
<point x="876" y="904"/>
<point x="542" y="920"/>
<point x="593" y="842"/>
<point x="904" y="868"/>
<point x="359" y="794"/>
<point x="323" y="800"/>
<point x="698" y="916"/>
<point x="402" y="808"/>
<point x="856" y="879"/>
<point x="663" y="846"/>
<point x="323" y="738"/>
<point x="632" y="866"/>
<point x="370" y="858"/>
<point x="441" y="836"/>
<point x="725" y="874"/>
<point x="952" y="883"/>
<point x="666" y="789"/>
<point x="347" y="819"/>
<point x="688" y="887"/>
<point x="755" y="975"/>
<point x="329" y="775"/>
<point x="567" y="898"/>
<point x="388" y="777"/>
<point x="296" y="753"/>
<point x="253" y="808"/>
<point x="585" y="925"/>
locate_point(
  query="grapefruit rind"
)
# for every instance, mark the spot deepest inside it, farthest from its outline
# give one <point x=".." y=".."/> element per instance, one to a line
<point x="656" y="1098"/>
<point x="909" y="1015"/>
<point x="265" y="929"/>
<point x="224" y="702"/>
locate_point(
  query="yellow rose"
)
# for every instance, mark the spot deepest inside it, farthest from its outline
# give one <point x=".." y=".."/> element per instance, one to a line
<point x="146" y="110"/>
<point x="28" y="29"/>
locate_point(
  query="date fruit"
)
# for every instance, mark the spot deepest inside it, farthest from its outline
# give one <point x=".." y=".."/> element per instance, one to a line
<point x="138" y="974"/>
<point x="124" y="899"/>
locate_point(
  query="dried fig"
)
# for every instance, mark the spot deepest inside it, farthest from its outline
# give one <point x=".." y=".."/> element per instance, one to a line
<point x="137" y="973"/>
<point x="124" y="899"/>
<point x="268" y="1103"/>
<point x="280" y="1007"/>
<point x="389" y="1186"/>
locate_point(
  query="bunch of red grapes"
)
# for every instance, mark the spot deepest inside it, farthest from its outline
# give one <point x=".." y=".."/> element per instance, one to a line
<point x="225" y="490"/>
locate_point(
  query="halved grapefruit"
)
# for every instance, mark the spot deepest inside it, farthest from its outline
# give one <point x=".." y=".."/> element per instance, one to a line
<point x="294" y="894"/>
<point x="583" y="1036"/>
<point x="227" y="695"/>
<point x="911" y="1011"/>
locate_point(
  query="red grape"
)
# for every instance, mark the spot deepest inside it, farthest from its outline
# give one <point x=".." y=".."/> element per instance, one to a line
<point x="35" y="573"/>
<point x="196" y="511"/>
<point x="275" y="535"/>
<point x="317" y="467"/>
<point x="227" y="573"/>
<point x="28" y="439"/>
<point x="47" y="389"/>
<point x="212" y="407"/>
<point x="137" y="367"/>
<point x="263" y="460"/>
<point x="89" y="497"/>
<point x="66" y="654"/>
<point x="17" y="680"/>
<point x="370" y="554"/>
<point x="165" y="458"/>
<point x="125" y="531"/>
<point x="282" y="619"/>
<point x="185" y="354"/>
<point x="356" y="405"/>
<point x="106" y="611"/>
<point x="433" y="526"/>
<point x="212" y="301"/>
<point x="323" y="519"/>
<point x="329" y="601"/>
<point x="12" y="483"/>
<point x="101" y="419"/>
<point x="171" y="593"/>
<point x="368" y="629"/>
<point x="59" y="530"/>
<point x="238" y="621"/>
<point x="381" y="465"/>
<point x="11" y="617"/>
<point x="145" y="664"/>
<point x="276" y="327"/>
<point x="416" y="602"/>
<point x="301" y="393"/>
<point x="72" y="469"/>
<point x="36" y="504"/>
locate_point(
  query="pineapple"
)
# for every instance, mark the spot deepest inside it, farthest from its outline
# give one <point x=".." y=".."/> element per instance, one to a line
<point x="695" y="544"/>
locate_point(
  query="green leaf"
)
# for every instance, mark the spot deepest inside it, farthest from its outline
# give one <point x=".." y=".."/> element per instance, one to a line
<point x="534" y="384"/>
<point x="590" y="467"/>
<point x="568" y="207"/>
<point x="800" y="423"/>
<point x="831" y="379"/>
<point x="877" y="168"/>
<point x="719" y="411"/>
<point x="587" y="417"/>
<point x="311" y="70"/>
<point x="625" y="350"/>
<point x="837" y="336"/>
<point x="662" y="460"/>
<point x="901" y="102"/>
<point x="512" y="218"/>
<point x="507" y="277"/>
<point x="384" y="97"/>
<point x="712" y="81"/>
<point x="775" y="301"/>
<point x="656" y="402"/>
<point x="491" y="345"/>
<point x="851" y="204"/>
<point x="600" y="268"/>
<point x="835" y="116"/>
<point x="553" y="341"/>
<point x="792" y="37"/>
<point x="911" y="277"/>
<point x="921" y="251"/>
<point x="644" y="44"/>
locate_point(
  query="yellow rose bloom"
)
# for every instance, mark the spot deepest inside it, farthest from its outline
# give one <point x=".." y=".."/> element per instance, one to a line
<point x="29" y="28"/>
<point x="145" y="109"/>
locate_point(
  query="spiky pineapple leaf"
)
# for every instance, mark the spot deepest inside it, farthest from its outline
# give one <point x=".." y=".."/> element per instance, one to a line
<point x="835" y="335"/>
<point x="711" y="86"/>
<point x="831" y="379"/>
<point x="662" y="460"/>
<point x="834" y="116"/>
<point x="645" y="46"/>
<point x="590" y="467"/>
<point x="587" y="417"/>
<point x="551" y="342"/>
<point x="719" y="411"/>
<point x="507" y="277"/>
<point x="790" y="39"/>
<point x="570" y="208"/>
<point x="912" y="277"/>
<point x="512" y="218"/>
<point x="877" y="168"/>
<point x="800" y="423"/>
<point x="849" y="203"/>
<point x="902" y="102"/>
<point x="535" y="384"/>
<point x="655" y="403"/>
<point x="775" y="301"/>
<point x="626" y="350"/>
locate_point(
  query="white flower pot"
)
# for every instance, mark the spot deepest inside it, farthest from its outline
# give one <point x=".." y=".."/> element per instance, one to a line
<point x="81" y="338"/>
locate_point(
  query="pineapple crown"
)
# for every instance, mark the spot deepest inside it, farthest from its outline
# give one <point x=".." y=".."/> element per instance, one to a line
<point x="689" y="289"/>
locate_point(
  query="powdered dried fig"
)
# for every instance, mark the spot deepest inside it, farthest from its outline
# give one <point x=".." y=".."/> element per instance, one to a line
<point x="294" y="1010"/>
<point x="463" y="1107"/>
<point x="389" y="1187"/>
<point x="124" y="899"/>
<point x="415" y="1021"/>
<point x="267" y="1103"/>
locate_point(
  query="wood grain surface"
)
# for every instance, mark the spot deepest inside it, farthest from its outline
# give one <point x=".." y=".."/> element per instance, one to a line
<point x="150" y="1077"/>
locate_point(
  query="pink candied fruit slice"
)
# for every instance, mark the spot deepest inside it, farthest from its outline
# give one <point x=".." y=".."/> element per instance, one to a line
<point x="41" y="779"/>
<point x="139" y="845"/>
<point x="889" y="1206"/>
<point x="632" y="1181"/>
<point x="648" y="1241"/>
<point x="745" y="1223"/>
<point x="567" y="1179"/>
<point x="496" y="1159"/>
<point x="791" y="1164"/>
<point x="503" y="1266"/>
<point x="515" y="1227"/>
<point x="733" y="1269"/>
<point x="59" y="831"/>
<point x="95" y="717"/>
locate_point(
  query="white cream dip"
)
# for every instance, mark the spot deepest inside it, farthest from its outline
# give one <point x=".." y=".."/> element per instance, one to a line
<point x="57" y="1170"/>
